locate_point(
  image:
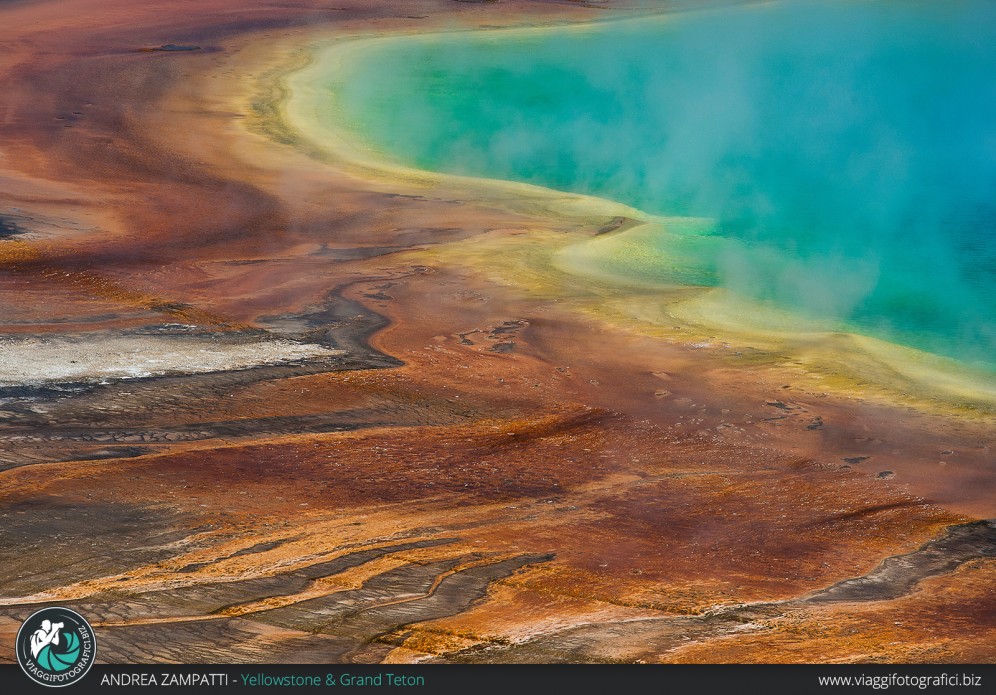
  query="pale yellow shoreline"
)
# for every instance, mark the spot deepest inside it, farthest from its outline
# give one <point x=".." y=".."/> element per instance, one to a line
<point x="310" y="111"/>
<point x="846" y="362"/>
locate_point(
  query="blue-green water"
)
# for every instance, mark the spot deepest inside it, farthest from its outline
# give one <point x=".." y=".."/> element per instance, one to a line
<point x="845" y="152"/>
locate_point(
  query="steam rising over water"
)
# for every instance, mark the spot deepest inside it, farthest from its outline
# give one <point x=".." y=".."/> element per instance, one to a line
<point x="843" y="155"/>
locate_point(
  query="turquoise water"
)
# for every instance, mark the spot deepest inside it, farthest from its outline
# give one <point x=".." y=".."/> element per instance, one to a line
<point x="844" y="154"/>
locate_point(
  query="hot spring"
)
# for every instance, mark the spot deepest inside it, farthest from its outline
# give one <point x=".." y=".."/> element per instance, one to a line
<point x="836" y="161"/>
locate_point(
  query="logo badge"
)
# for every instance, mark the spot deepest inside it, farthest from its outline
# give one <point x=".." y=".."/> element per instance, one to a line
<point x="56" y="647"/>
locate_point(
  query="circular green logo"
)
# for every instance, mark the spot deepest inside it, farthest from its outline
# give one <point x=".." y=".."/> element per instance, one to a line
<point x="56" y="646"/>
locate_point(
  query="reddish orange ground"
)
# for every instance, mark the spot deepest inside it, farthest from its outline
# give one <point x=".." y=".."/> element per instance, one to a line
<point x="656" y="481"/>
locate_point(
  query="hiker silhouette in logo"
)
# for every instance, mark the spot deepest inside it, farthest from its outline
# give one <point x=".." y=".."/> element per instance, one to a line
<point x="45" y="635"/>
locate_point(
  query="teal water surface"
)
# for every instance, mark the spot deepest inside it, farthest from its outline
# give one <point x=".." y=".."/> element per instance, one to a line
<point x="844" y="153"/>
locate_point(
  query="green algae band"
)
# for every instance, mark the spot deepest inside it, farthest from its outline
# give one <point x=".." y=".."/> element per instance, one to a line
<point x="835" y="161"/>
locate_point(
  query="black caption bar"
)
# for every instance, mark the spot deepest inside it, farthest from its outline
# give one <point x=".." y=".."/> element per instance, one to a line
<point x="521" y="679"/>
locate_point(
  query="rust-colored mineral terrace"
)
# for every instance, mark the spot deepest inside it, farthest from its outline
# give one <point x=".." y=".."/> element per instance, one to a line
<point x="256" y="405"/>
